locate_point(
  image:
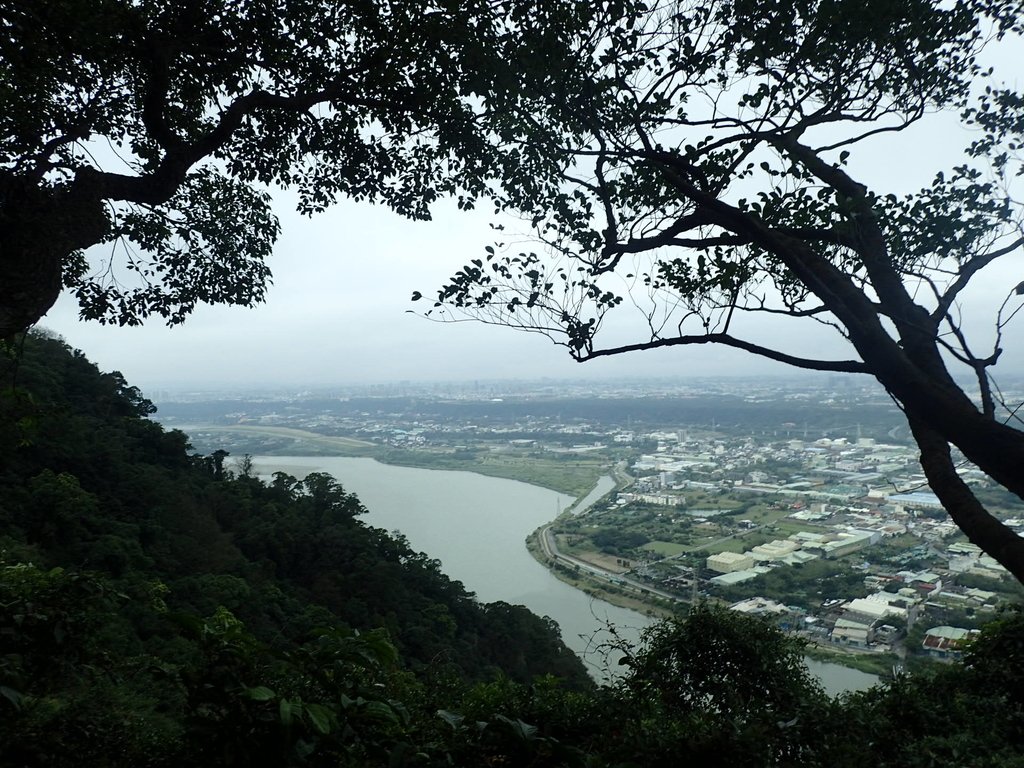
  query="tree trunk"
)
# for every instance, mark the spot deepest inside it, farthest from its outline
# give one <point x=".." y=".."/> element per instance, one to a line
<point x="40" y="228"/>
<point x="917" y="378"/>
<point x="994" y="447"/>
<point x="980" y="526"/>
<point x="941" y="414"/>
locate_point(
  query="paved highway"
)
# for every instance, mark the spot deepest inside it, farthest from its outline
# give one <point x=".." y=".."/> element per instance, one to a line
<point x="550" y="547"/>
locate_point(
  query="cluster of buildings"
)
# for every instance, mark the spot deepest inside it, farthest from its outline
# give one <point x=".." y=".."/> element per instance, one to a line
<point x="880" y="620"/>
<point x="831" y="470"/>
<point x="799" y="548"/>
<point x="849" y="497"/>
<point x="896" y="600"/>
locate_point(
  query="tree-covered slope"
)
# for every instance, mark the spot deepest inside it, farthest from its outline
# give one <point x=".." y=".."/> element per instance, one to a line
<point x="88" y="482"/>
<point x="90" y="486"/>
<point x="162" y="610"/>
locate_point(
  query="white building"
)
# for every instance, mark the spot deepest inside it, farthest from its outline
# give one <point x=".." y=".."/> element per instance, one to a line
<point x="774" y="550"/>
<point x="729" y="562"/>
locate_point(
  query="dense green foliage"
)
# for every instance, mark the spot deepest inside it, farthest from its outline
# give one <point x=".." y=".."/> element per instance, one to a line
<point x="89" y="482"/>
<point x="131" y="539"/>
<point x="160" y="609"/>
<point x="806" y="585"/>
<point x="158" y="126"/>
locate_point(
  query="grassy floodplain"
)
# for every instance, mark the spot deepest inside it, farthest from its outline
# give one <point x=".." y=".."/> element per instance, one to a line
<point x="880" y="664"/>
<point x="565" y="473"/>
<point x="299" y="440"/>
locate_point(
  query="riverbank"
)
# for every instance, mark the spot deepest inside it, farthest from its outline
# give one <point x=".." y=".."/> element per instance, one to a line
<point x="475" y="526"/>
<point x="880" y="664"/>
<point x="565" y="473"/>
<point x="594" y="587"/>
<point x="612" y="587"/>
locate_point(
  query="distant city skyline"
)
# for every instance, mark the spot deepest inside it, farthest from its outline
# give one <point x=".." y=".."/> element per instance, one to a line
<point x="792" y="386"/>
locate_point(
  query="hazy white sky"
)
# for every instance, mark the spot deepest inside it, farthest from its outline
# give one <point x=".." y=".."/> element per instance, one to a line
<point x="338" y="312"/>
<point x="338" y="309"/>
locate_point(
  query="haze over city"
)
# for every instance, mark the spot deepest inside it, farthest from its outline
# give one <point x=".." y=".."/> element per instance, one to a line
<point x="339" y="311"/>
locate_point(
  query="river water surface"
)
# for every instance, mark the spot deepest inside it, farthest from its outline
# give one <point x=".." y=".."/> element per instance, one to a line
<point x="476" y="526"/>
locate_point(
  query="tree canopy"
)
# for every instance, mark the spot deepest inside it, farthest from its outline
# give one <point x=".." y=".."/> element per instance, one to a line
<point x="158" y="127"/>
<point x="703" y="171"/>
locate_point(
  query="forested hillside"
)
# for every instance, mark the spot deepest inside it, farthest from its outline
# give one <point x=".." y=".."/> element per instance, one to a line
<point x="161" y="609"/>
<point x="138" y="544"/>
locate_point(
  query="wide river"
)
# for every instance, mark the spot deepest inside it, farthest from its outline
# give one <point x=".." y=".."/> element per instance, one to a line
<point x="476" y="526"/>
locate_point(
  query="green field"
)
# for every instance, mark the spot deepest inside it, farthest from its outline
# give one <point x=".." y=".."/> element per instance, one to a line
<point x="765" y="515"/>
<point x="666" y="548"/>
<point x="785" y="528"/>
<point x="302" y="441"/>
<point x="574" y="477"/>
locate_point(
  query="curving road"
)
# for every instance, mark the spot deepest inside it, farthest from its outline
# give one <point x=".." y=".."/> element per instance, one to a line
<point x="550" y="549"/>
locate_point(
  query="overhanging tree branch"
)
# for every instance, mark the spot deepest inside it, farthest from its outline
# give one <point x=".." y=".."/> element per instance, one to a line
<point x="720" y="193"/>
<point x="964" y="275"/>
<point x="838" y="366"/>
